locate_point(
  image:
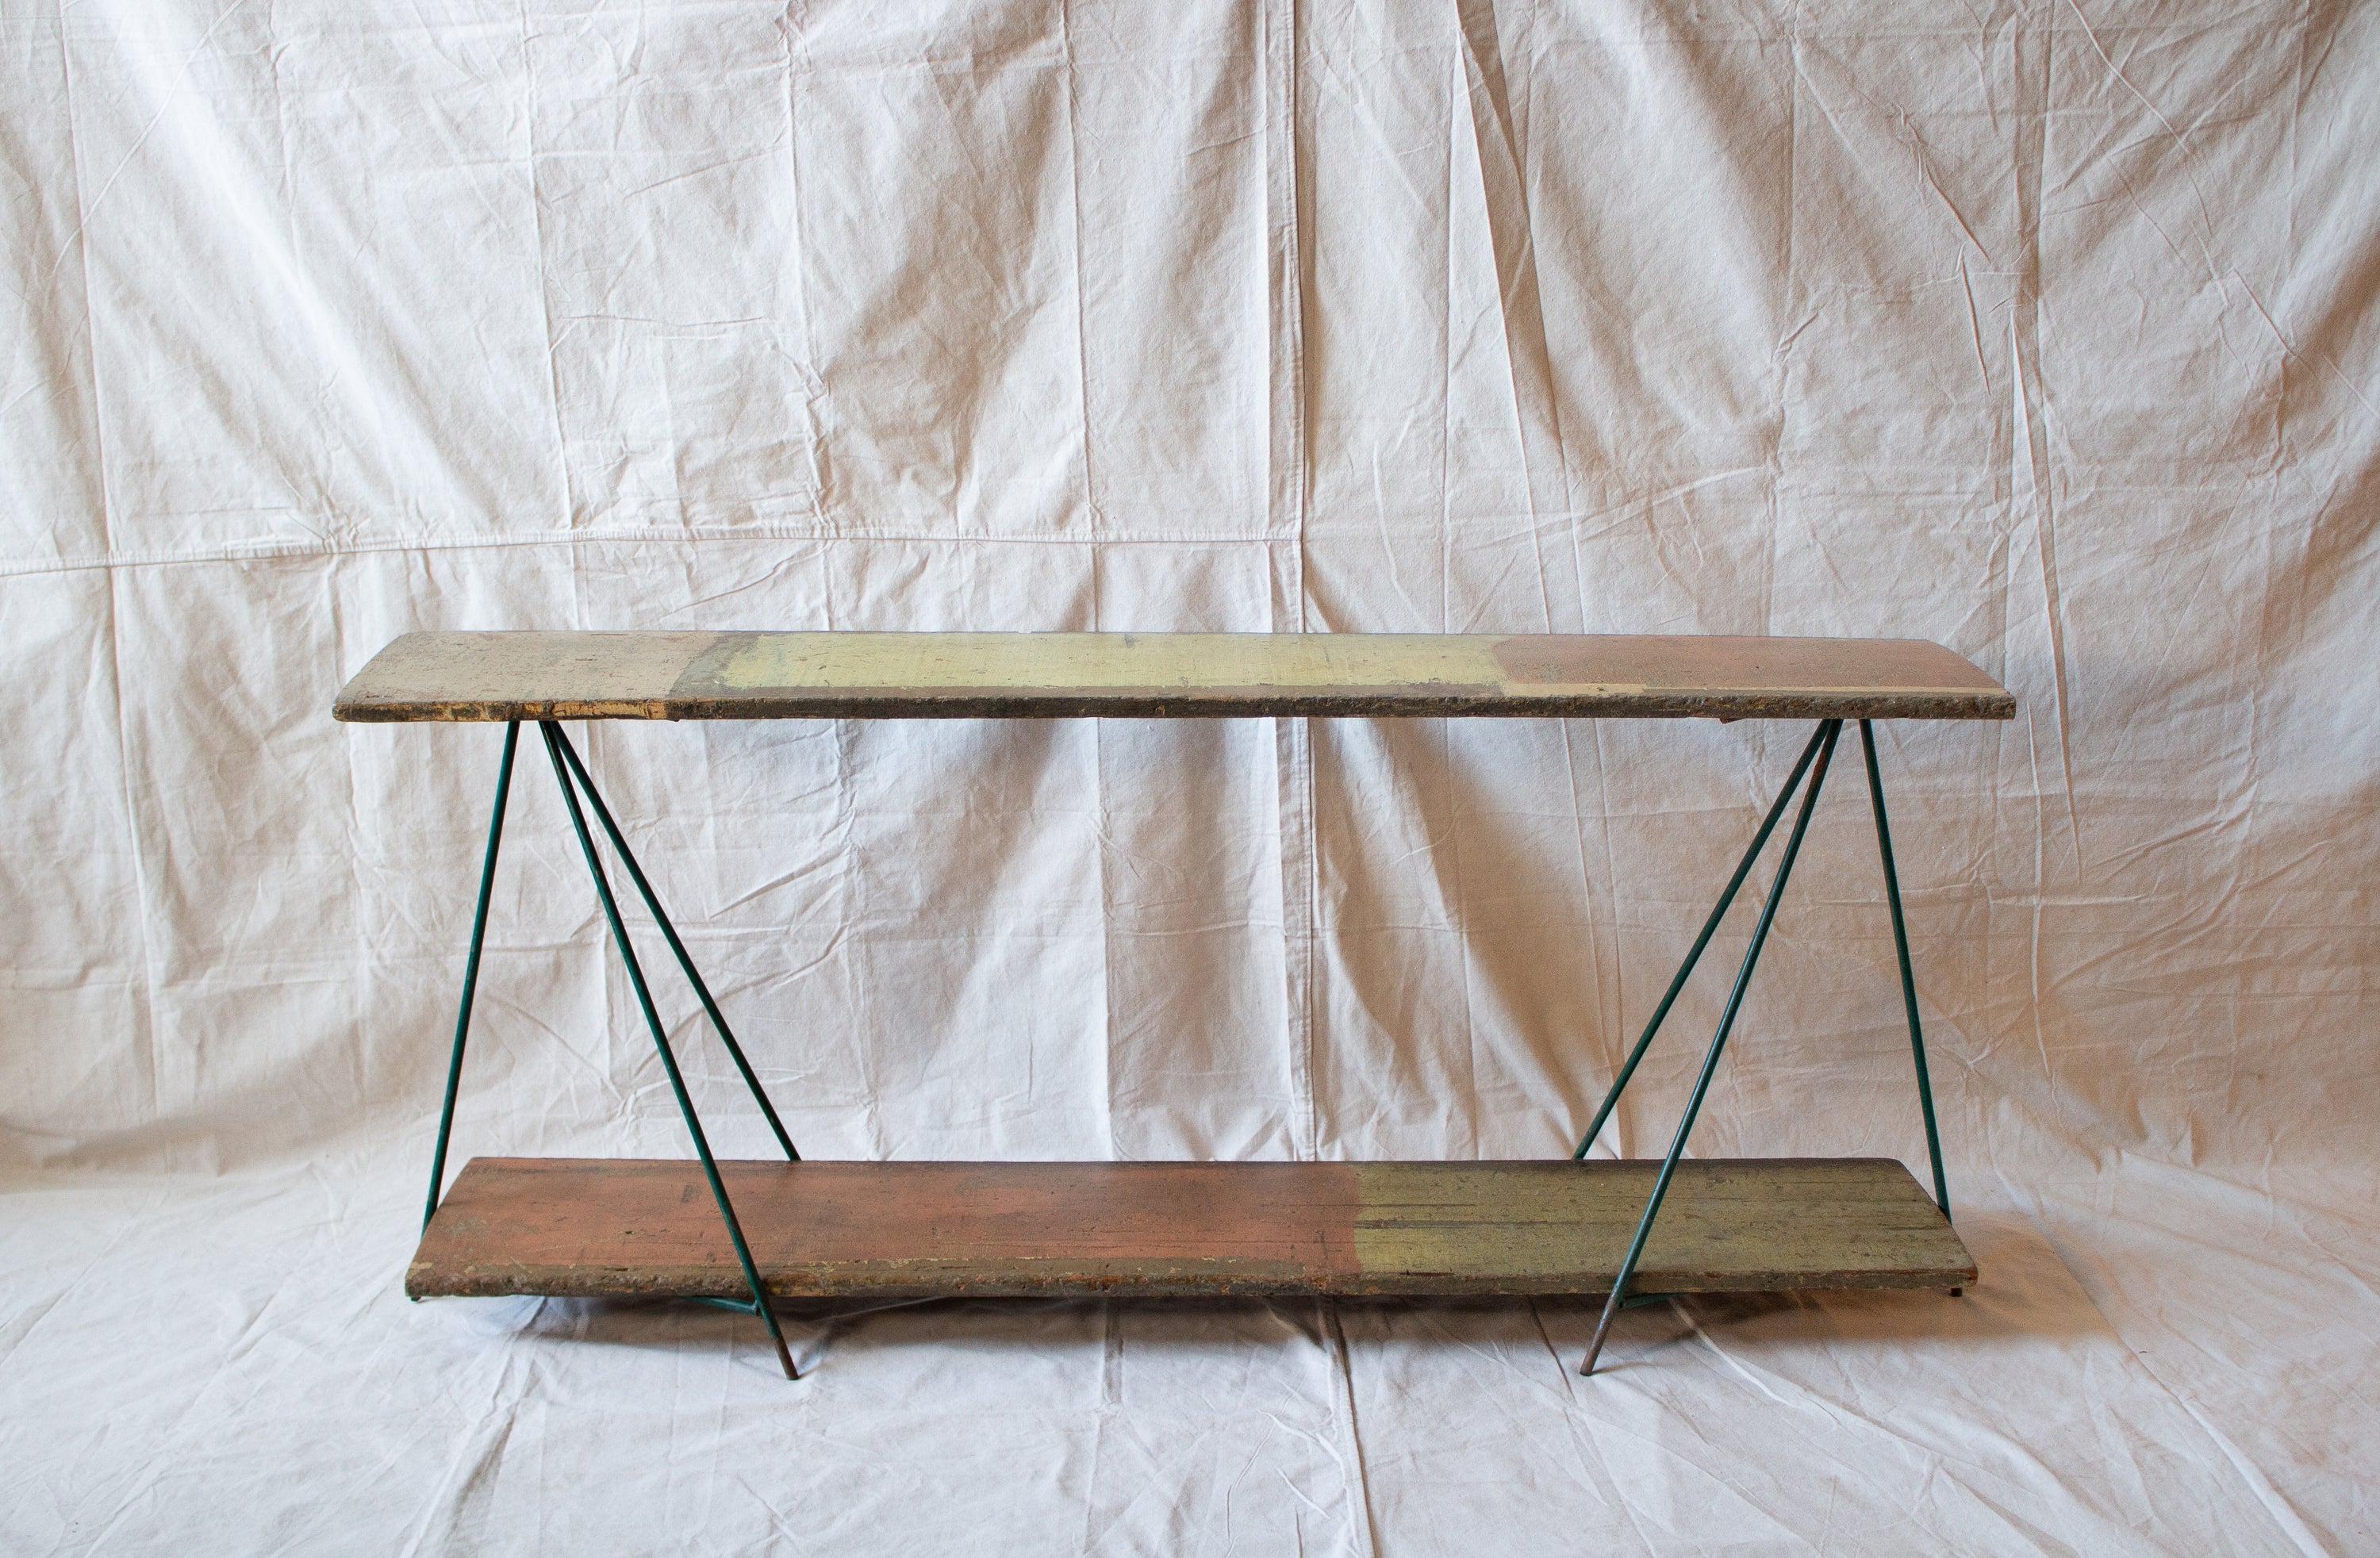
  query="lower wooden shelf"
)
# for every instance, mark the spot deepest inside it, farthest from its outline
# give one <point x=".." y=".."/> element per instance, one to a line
<point x="594" y="1227"/>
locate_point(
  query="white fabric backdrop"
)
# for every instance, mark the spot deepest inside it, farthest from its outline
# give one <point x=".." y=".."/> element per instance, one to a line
<point x="2050" y="332"/>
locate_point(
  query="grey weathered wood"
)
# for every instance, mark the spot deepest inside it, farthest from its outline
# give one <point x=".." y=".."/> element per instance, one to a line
<point x="586" y="1227"/>
<point x="531" y="675"/>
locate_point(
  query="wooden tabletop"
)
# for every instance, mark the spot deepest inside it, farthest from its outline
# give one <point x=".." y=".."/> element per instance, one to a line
<point x="536" y="676"/>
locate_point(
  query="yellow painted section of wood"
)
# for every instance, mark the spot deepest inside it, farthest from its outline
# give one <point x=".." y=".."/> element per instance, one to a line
<point x="1725" y="1226"/>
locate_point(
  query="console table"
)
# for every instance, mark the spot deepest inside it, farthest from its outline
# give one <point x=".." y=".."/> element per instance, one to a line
<point x="739" y="1233"/>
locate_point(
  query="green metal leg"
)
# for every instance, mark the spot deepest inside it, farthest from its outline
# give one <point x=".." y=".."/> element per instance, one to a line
<point x="1695" y="953"/>
<point x="1907" y="979"/>
<point x="660" y="1042"/>
<point x="669" y="931"/>
<point x="1828" y="732"/>
<point x="471" y="971"/>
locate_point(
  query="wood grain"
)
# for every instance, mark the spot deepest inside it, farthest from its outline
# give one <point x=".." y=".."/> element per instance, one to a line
<point x="592" y="1227"/>
<point x="532" y="676"/>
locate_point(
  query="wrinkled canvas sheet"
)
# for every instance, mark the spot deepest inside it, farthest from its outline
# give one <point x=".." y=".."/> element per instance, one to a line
<point x="2049" y="332"/>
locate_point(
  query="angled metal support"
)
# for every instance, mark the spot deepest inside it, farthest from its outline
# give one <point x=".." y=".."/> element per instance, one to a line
<point x="1827" y="733"/>
<point x="471" y="971"/>
<point x="1695" y="953"/>
<point x="1907" y="979"/>
<point x="554" y="748"/>
<point x="669" y="933"/>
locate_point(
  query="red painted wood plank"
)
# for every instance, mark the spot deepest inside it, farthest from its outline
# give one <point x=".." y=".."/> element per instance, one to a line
<point x="591" y="1227"/>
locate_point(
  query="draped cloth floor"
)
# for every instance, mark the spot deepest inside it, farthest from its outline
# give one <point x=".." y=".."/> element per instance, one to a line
<point x="2049" y="332"/>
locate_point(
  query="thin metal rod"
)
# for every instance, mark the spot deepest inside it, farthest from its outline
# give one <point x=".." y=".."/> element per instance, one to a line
<point x="1907" y="979"/>
<point x="1695" y="953"/>
<point x="1612" y="1305"/>
<point x="669" y="931"/>
<point x="660" y="1042"/>
<point x="471" y="971"/>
